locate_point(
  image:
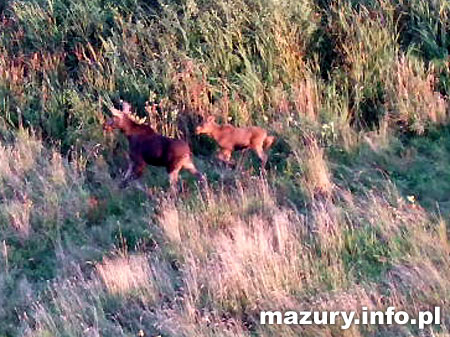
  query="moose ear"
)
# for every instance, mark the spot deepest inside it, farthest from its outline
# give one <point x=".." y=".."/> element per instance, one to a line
<point x="126" y="107"/>
<point x="115" y="112"/>
<point x="210" y="119"/>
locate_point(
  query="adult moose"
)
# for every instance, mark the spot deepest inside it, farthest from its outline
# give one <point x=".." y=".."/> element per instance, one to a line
<point x="230" y="138"/>
<point x="148" y="147"/>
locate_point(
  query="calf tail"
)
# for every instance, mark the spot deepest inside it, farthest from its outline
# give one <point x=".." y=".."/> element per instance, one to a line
<point x="268" y="141"/>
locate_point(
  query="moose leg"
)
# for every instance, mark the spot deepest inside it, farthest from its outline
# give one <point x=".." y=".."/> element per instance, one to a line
<point x="135" y="170"/>
<point x="173" y="170"/>
<point x="129" y="171"/>
<point x="173" y="179"/>
<point x="189" y="166"/>
<point x="127" y="176"/>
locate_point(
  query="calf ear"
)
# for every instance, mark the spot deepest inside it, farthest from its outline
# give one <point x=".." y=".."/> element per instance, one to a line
<point x="210" y="119"/>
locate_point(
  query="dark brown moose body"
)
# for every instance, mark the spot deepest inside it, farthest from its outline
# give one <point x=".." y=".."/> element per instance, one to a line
<point x="230" y="138"/>
<point x="148" y="147"/>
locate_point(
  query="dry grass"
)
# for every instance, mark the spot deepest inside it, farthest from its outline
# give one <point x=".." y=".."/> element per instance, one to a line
<point x="305" y="96"/>
<point x="239" y="251"/>
<point x="19" y="213"/>
<point x="252" y="259"/>
<point x="251" y="263"/>
<point x="414" y="101"/>
<point x="125" y="274"/>
<point x="316" y="178"/>
<point x="76" y="302"/>
<point x="39" y="188"/>
<point x="170" y="222"/>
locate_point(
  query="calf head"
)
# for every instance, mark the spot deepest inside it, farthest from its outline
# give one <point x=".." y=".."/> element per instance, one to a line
<point x="206" y="127"/>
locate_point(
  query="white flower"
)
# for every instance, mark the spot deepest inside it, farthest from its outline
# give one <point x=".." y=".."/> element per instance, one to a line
<point x="411" y="199"/>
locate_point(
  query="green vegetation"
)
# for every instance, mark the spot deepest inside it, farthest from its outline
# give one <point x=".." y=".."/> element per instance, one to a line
<point x="353" y="210"/>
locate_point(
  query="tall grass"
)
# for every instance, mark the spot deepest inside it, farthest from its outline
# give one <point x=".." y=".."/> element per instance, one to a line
<point x="256" y="254"/>
<point x="415" y="101"/>
<point x="40" y="190"/>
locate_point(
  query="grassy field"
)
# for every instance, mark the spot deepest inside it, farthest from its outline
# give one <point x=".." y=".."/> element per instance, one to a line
<point x="352" y="211"/>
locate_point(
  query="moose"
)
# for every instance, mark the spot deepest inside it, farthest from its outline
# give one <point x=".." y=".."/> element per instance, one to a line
<point x="146" y="147"/>
<point x="230" y="138"/>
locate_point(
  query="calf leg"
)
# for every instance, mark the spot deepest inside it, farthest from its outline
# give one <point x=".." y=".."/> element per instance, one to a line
<point x="225" y="155"/>
<point x="262" y="155"/>
<point x="240" y="162"/>
<point x="257" y="144"/>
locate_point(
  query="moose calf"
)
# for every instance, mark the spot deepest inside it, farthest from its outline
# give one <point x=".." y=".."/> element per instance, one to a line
<point x="230" y="138"/>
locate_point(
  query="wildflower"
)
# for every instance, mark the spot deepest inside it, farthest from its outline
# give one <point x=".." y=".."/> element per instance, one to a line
<point x="152" y="97"/>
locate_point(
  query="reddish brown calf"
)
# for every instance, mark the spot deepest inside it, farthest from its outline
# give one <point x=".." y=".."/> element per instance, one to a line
<point x="148" y="147"/>
<point x="230" y="138"/>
